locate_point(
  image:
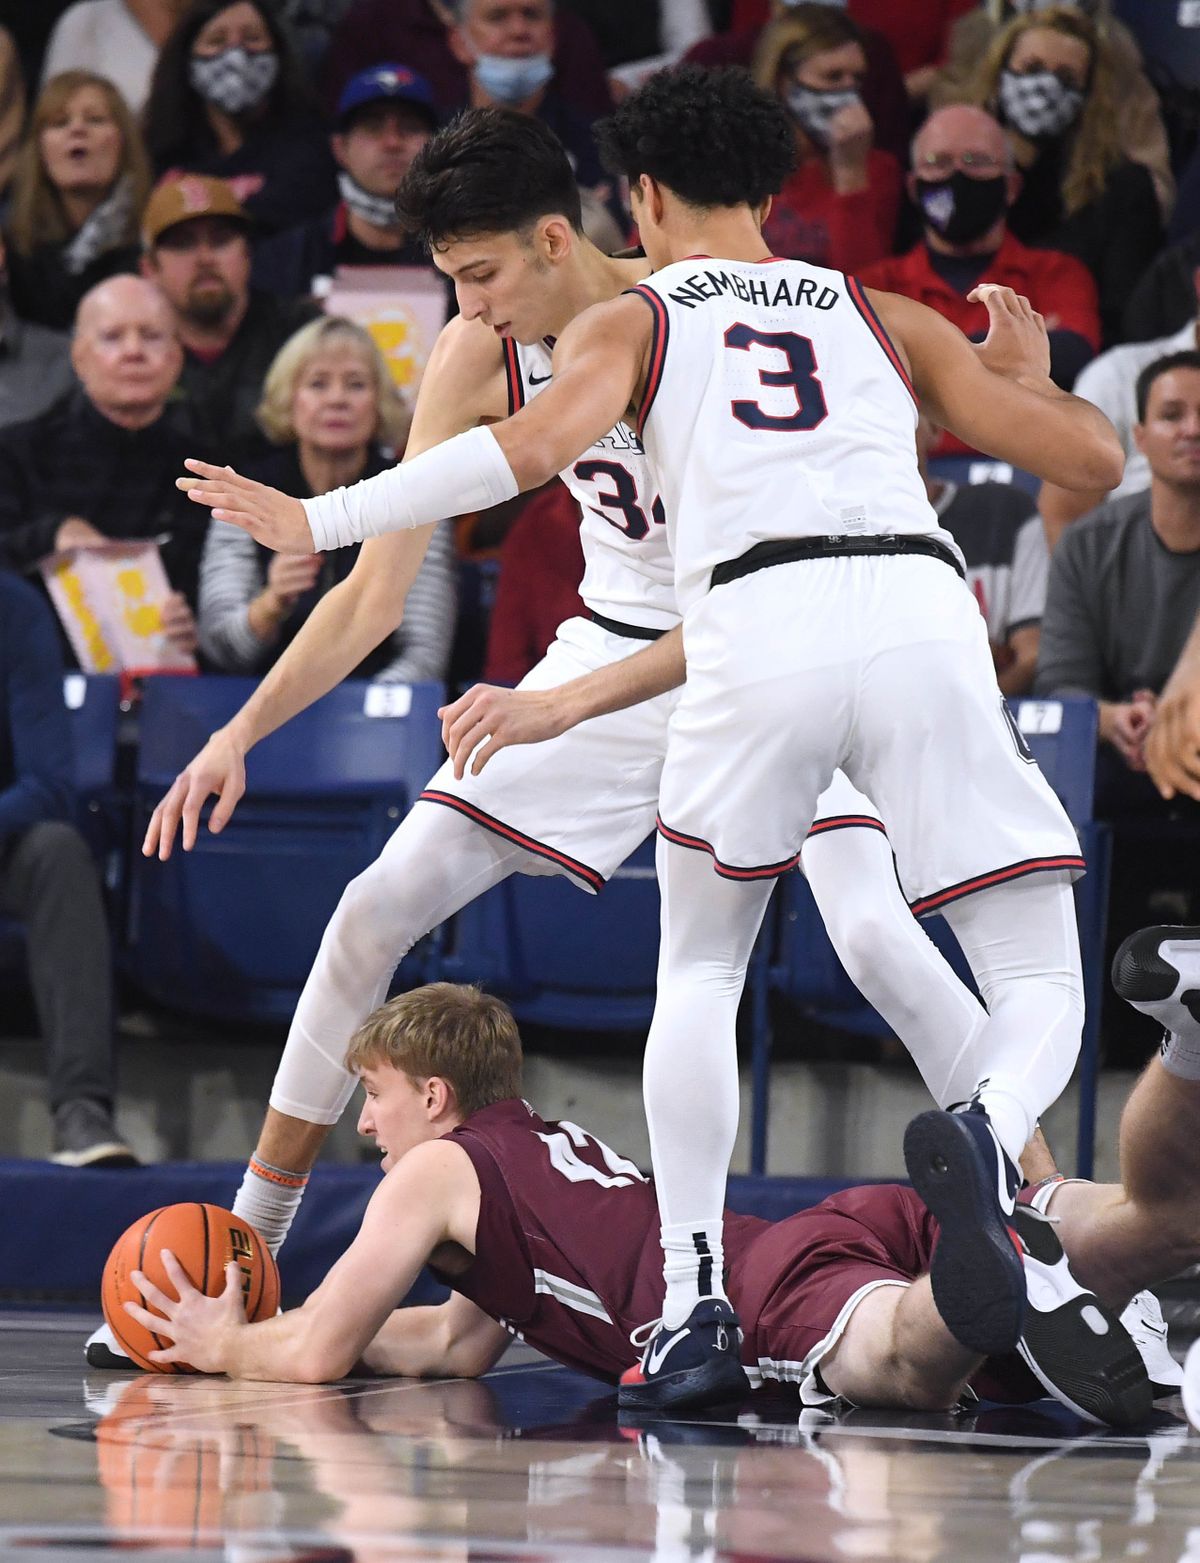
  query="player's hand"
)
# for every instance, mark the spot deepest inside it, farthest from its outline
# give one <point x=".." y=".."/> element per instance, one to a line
<point x="272" y="518"/>
<point x="1172" y="748"/>
<point x="198" y="1326"/>
<point x="487" y="719"/>
<point x="219" y="768"/>
<point x="1017" y="344"/>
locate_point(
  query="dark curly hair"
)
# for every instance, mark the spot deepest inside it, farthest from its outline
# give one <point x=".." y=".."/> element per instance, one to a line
<point x="711" y="137"/>
<point x="488" y="171"/>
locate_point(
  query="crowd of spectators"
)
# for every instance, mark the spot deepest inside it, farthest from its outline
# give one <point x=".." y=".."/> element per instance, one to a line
<point x="183" y="183"/>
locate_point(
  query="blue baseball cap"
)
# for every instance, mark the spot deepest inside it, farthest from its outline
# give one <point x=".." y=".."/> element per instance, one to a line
<point x="386" y="83"/>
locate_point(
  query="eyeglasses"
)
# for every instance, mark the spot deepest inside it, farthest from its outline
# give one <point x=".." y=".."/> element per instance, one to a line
<point x="980" y="165"/>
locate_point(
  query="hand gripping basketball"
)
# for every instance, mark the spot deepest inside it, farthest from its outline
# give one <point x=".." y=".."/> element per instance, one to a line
<point x="221" y="1273"/>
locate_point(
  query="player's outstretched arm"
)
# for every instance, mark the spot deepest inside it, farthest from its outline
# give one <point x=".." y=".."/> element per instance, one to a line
<point x="1173" y="745"/>
<point x="463" y="382"/>
<point x="429" y="1198"/>
<point x="488" y="718"/>
<point x="999" y="397"/>
<point x="599" y="366"/>
<point x="453" y="1340"/>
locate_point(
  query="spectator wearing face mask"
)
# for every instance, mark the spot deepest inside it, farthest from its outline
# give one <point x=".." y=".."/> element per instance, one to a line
<point x="507" y="49"/>
<point x="1141" y="132"/>
<point x="1048" y="80"/>
<point x="839" y="206"/>
<point x="963" y="182"/>
<point x="882" y="88"/>
<point x="385" y="116"/>
<point x="226" y="100"/>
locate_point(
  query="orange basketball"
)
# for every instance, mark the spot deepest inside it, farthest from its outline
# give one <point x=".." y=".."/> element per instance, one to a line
<point x="204" y="1238"/>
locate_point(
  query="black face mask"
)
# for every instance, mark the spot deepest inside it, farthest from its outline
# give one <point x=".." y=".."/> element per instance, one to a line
<point x="961" y="209"/>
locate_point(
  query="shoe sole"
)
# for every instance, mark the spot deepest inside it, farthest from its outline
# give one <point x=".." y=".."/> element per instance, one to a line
<point x="1093" y="1368"/>
<point x="98" y="1355"/>
<point x="976" y="1272"/>
<point x="109" y="1154"/>
<point x="722" y="1378"/>
<point x="1141" y="975"/>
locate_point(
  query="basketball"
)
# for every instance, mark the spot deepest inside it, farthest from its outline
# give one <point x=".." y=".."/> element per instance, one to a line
<point x="204" y="1238"/>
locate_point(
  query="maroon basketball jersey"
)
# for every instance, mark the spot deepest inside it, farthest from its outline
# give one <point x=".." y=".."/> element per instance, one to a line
<point x="567" y="1254"/>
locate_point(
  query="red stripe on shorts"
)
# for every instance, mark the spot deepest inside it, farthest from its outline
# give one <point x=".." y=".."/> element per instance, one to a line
<point x="999" y="876"/>
<point x="499" y="828"/>
<point x="726" y="870"/>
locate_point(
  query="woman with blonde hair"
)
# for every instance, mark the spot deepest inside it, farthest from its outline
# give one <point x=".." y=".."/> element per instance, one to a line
<point x="331" y="407"/>
<point x="1141" y="132"/>
<point x="80" y="183"/>
<point x="1048" y="79"/>
<point x="839" y="206"/>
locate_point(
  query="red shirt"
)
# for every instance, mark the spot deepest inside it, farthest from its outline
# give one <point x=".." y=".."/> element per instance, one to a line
<point x="541" y="566"/>
<point x="810" y="221"/>
<point x="1057" y="285"/>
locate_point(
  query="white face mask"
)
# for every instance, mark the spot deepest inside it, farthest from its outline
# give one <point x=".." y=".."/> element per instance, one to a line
<point x="236" y="79"/>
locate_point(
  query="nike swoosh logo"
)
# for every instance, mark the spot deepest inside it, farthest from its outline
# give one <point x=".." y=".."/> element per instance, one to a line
<point x="657" y="1357"/>
<point x="539" y="379"/>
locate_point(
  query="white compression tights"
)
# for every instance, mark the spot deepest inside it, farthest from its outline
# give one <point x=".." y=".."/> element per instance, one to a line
<point x="1021" y="940"/>
<point x="433" y="865"/>
<point x="891" y="960"/>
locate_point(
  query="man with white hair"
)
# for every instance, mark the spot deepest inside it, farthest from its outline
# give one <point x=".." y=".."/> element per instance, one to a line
<point x="99" y="464"/>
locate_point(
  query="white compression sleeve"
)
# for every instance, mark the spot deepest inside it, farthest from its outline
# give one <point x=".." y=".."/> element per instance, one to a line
<point x="468" y="472"/>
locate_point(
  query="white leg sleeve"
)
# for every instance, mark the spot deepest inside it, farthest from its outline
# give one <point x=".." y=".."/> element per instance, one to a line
<point x="1022" y="943"/>
<point x="690" y="1074"/>
<point x="891" y="960"/>
<point x="434" y="864"/>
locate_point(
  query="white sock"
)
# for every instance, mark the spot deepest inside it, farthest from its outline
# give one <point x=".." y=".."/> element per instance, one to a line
<point x="694" y="1267"/>
<point x="269" y="1199"/>
<point x="1180" y="1055"/>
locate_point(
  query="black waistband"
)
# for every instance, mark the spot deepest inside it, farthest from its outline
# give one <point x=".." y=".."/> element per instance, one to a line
<point x="788" y="549"/>
<point x="630" y="631"/>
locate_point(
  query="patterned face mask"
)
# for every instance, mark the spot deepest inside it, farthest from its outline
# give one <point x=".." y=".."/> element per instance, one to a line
<point x="1038" y="105"/>
<point x="236" y="79"/>
<point x="812" y="110"/>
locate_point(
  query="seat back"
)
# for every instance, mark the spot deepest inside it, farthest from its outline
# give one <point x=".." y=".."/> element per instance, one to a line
<point x="1061" y="735"/>
<point x="560" y="956"/>
<point x="231" y="928"/>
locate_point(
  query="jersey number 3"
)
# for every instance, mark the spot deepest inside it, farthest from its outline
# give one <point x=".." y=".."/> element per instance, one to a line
<point x="799" y="377"/>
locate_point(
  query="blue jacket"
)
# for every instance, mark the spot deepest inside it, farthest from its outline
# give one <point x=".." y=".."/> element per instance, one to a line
<point x="36" y="762"/>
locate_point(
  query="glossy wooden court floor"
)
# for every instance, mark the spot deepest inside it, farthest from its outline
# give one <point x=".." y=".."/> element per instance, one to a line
<point x="530" y="1463"/>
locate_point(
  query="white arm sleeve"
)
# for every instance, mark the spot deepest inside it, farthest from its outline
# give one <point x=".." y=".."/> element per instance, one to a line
<point x="468" y="472"/>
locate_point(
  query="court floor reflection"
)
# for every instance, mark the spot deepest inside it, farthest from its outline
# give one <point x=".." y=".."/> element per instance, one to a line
<point x="531" y="1463"/>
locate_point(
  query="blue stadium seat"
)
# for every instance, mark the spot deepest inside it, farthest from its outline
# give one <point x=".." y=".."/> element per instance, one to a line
<point x="982" y="469"/>
<point x="559" y="956"/>
<point x="230" y="929"/>
<point x="798" y="962"/>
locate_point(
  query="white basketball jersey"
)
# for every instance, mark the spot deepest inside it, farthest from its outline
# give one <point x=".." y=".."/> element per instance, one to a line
<point x="776" y="407"/>
<point x="628" y="573"/>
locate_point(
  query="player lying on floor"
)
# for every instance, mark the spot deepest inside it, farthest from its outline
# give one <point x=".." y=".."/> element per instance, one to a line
<point x="544" y="1233"/>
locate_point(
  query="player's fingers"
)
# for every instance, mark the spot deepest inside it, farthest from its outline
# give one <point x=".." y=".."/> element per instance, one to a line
<point x="169" y="1354"/>
<point x="154" y="1295"/>
<point x="153" y="831"/>
<point x="472" y="716"/>
<point x="176" y="1274"/>
<point x="169" y="811"/>
<point x="229" y="798"/>
<point x="484" y="754"/>
<point x="466" y="746"/>
<point x="150" y="1321"/>
<point x="233" y="1286"/>
<point x="193" y="802"/>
